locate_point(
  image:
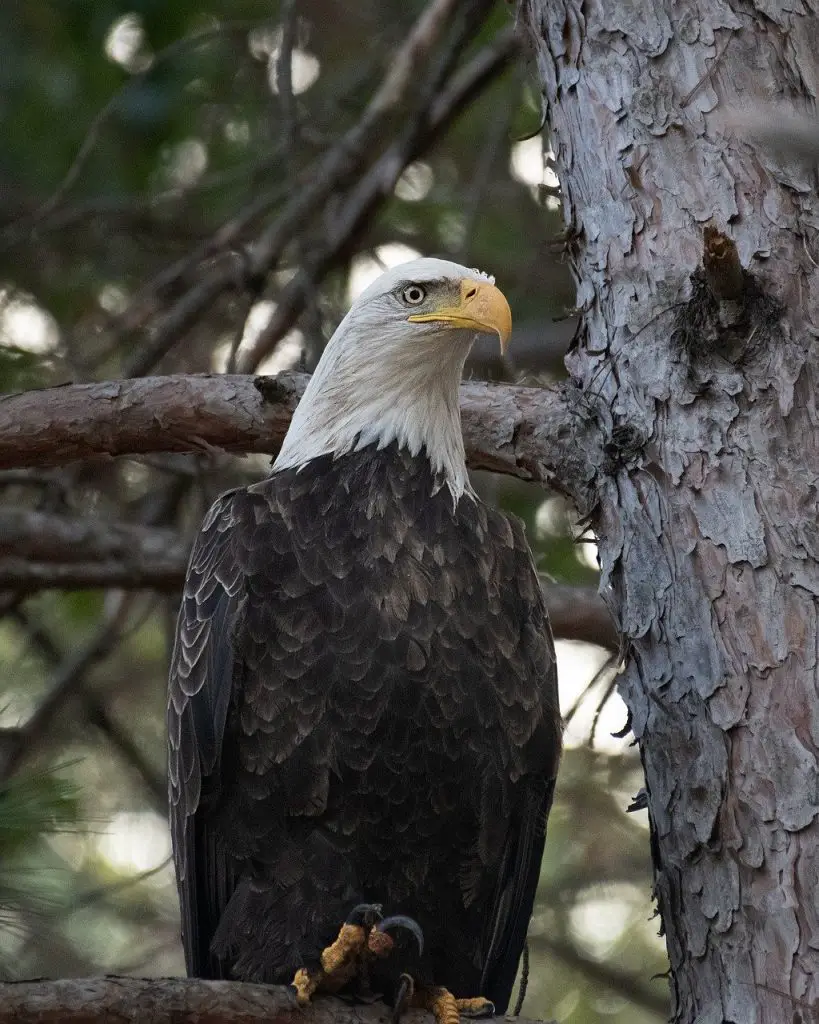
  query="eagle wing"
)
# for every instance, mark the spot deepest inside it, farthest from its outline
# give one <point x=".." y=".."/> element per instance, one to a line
<point x="515" y="892"/>
<point x="201" y="681"/>
<point x="516" y="882"/>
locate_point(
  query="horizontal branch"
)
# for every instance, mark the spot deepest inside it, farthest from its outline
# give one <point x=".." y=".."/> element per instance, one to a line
<point x="40" y="551"/>
<point x="31" y="537"/>
<point x="531" y="433"/>
<point x="176" y="1001"/>
<point x="580" y="613"/>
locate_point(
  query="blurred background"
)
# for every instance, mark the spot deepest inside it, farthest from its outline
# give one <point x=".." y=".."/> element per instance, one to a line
<point x="196" y="186"/>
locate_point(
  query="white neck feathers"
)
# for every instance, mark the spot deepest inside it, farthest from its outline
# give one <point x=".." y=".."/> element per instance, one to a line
<point x="379" y="391"/>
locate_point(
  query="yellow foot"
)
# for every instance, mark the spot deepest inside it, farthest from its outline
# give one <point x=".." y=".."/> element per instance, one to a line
<point x="348" y="946"/>
<point x="339" y="963"/>
<point x="363" y="934"/>
<point x="476" y="1007"/>
<point x="306" y="984"/>
<point x="446" y="1008"/>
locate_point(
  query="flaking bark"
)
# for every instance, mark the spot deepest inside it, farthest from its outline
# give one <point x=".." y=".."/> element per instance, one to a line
<point x="515" y="430"/>
<point x="707" y="479"/>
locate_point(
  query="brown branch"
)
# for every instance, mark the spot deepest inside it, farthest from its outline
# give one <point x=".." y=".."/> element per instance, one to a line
<point x="352" y="150"/>
<point x="531" y="433"/>
<point x="42" y="537"/>
<point x="24" y="576"/>
<point x="175" y="278"/>
<point x="157" y="560"/>
<point x="176" y="1001"/>
<point x="579" y="613"/>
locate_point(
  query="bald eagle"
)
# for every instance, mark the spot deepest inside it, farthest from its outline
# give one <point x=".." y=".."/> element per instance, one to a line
<point x="363" y="702"/>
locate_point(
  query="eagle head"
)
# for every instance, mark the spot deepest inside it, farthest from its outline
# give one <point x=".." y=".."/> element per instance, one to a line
<point x="391" y="371"/>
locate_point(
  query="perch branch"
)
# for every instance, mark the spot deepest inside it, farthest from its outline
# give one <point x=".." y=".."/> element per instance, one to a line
<point x="176" y="1001"/>
<point x="530" y="433"/>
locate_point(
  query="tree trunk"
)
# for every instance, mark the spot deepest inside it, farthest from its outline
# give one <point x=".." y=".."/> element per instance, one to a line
<point x="699" y="381"/>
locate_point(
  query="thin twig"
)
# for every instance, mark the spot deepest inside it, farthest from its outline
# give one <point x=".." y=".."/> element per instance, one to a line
<point x="284" y="79"/>
<point x="63" y="686"/>
<point x="98" y="714"/>
<point x="333" y="170"/>
<point x="479" y="178"/>
<point x="376" y="186"/>
<point x="30" y="221"/>
<point x="141" y="207"/>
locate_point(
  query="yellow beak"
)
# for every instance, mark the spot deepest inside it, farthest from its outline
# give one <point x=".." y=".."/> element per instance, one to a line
<point x="482" y="307"/>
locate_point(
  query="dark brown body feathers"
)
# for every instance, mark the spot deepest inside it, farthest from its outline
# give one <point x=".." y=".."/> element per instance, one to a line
<point x="363" y="708"/>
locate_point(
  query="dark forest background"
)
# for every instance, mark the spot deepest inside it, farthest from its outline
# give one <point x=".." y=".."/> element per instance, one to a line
<point x="153" y="163"/>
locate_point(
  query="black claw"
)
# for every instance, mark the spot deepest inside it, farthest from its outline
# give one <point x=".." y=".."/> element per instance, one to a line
<point x="406" y="987"/>
<point x="402" y="921"/>
<point x="365" y="914"/>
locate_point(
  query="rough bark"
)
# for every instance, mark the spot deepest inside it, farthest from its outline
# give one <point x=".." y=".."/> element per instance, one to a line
<point x="176" y="1001"/>
<point x="707" y="466"/>
<point x="516" y="430"/>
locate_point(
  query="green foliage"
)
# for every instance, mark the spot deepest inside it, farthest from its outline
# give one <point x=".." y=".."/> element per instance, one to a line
<point x="31" y="807"/>
<point x="35" y="805"/>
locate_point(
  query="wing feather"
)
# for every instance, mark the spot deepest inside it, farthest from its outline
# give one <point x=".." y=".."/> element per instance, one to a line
<point x="519" y="872"/>
<point x="199" y="691"/>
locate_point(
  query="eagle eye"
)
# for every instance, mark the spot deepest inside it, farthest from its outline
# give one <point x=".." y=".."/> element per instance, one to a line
<point x="413" y="294"/>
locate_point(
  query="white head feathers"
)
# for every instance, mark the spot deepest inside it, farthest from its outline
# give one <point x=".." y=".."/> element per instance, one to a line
<point x="392" y="369"/>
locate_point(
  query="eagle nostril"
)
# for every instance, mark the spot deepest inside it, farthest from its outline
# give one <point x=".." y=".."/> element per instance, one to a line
<point x="471" y="293"/>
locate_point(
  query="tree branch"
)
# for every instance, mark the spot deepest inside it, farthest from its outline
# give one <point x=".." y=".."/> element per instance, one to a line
<point x="579" y="613"/>
<point x="36" y="537"/>
<point x="333" y="171"/>
<point x="63" y="552"/>
<point x="532" y="433"/>
<point x="176" y="1001"/>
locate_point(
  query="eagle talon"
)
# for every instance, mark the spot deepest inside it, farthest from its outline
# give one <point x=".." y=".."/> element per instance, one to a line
<point x="401" y="921"/>
<point x="306" y="984"/>
<point x="475" y="1008"/>
<point x="447" y="1009"/>
<point x="403" y="997"/>
<point x="364" y="932"/>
